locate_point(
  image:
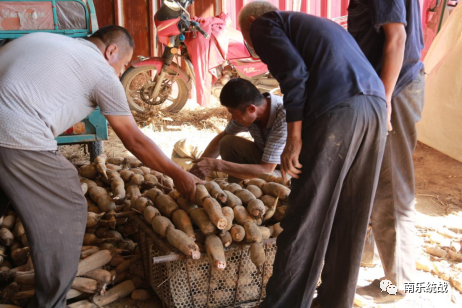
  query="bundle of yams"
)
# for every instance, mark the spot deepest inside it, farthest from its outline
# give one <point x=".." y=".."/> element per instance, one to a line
<point x="223" y="213"/>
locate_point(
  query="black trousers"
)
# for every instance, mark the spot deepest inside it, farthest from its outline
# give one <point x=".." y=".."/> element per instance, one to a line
<point x="329" y="206"/>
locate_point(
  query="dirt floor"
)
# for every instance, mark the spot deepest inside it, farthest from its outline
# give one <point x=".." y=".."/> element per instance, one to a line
<point x="438" y="186"/>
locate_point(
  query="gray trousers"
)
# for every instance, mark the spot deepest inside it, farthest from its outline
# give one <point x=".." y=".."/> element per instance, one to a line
<point x="393" y="215"/>
<point x="45" y="192"/>
<point x="241" y="151"/>
<point x="329" y="206"/>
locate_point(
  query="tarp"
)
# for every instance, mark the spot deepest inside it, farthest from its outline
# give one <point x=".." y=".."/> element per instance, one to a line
<point x="26" y="16"/>
<point x="441" y="124"/>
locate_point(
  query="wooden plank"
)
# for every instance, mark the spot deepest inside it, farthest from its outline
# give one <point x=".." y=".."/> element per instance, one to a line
<point x="104" y="12"/>
<point x="135" y="14"/>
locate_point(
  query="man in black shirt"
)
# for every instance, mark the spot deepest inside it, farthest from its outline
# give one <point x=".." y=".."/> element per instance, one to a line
<point x="390" y="35"/>
<point x="336" y="113"/>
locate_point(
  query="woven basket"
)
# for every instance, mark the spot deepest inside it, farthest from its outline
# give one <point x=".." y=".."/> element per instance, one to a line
<point x="183" y="282"/>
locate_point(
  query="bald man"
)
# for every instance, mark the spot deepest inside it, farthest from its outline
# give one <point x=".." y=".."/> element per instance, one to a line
<point x="49" y="82"/>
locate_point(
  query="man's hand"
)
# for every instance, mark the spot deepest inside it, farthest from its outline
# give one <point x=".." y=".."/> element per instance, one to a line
<point x="185" y="183"/>
<point x="389" y="111"/>
<point x="289" y="158"/>
<point x="204" y="166"/>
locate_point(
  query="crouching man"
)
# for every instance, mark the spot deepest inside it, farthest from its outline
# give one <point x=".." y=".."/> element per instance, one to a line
<point x="264" y="117"/>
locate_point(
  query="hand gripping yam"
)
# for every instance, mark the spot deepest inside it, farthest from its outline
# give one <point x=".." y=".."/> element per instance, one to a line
<point x="245" y="195"/>
<point x="252" y="232"/>
<point x="277" y="229"/>
<point x="186" y="205"/>
<point x="183" y="243"/>
<point x="229" y="215"/>
<point x="215" y="252"/>
<point x="257" y="182"/>
<point x="233" y="187"/>
<point x="161" y="225"/>
<point x="182" y="222"/>
<point x="202" y="220"/>
<point x="276" y="190"/>
<point x="241" y="215"/>
<point x="232" y="200"/>
<point x="216" y="192"/>
<point x="149" y="213"/>
<point x="166" y="205"/>
<point x="213" y="209"/>
<point x="256" y="208"/>
<point x="201" y="194"/>
<point x="255" y="190"/>
<point x="100" y="163"/>
<point x="268" y="177"/>
<point x="257" y="254"/>
<point x="265" y="232"/>
<point x="226" y="239"/>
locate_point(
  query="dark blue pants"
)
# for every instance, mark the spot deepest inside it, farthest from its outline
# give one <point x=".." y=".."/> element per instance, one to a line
<point x="329" y="206"/>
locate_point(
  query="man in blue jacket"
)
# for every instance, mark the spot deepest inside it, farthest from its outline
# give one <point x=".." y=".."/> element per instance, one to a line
<point x="390" y="35"/>
<point x="336" y="112"/>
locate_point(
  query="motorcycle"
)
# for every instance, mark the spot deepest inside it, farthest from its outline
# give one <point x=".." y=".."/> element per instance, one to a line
<point x="161" y="81"/>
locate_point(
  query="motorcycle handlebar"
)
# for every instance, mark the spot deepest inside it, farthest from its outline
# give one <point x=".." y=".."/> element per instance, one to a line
<point x="196" y="26"/>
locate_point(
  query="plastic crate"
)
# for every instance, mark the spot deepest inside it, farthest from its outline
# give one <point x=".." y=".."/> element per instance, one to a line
<point x="191" y="283"/>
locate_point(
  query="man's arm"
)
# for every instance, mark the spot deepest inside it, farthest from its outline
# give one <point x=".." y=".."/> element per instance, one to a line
<point x="149" y="153"/>
<point x="213" y="149"/>
<point x="205" y="166"/>
<point x="393" y="54"/>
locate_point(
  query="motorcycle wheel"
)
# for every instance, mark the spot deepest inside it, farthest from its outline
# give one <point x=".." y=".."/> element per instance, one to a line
<point x="136" y="80"/>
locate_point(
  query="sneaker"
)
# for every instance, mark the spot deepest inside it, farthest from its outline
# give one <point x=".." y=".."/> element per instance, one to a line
<point x="373" y="293"/>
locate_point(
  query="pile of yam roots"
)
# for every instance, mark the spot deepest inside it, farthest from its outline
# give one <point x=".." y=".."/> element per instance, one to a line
<point x="116" y="188"/>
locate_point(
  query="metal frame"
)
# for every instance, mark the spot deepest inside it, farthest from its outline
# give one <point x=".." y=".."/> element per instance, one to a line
<point x="90" y="13"/>
<point x="95" y="119"/>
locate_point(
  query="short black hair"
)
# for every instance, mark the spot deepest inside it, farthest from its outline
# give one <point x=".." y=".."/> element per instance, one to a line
<point x="114" y="34"/>
<point x="239" y="93"/>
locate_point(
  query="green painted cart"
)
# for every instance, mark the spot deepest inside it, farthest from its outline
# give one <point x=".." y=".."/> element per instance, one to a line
<point x="73" y="18"/>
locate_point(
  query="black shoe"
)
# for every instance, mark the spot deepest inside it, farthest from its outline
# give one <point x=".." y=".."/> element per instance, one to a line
<point x="373" y="293"/>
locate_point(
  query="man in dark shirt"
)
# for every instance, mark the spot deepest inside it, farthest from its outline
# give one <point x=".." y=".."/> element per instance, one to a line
<point x="336" y="113"/>
<point x="390" y="35"/>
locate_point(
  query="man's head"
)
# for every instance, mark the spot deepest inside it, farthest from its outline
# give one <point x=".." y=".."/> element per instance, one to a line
<point x="242" y="99"/>
<point x="249" y="13"/>
<point x="116" y="44"/>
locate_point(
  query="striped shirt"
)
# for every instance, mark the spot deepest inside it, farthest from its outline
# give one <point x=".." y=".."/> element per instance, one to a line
<point x="49" y="82"/>
<point x="272" y="139"/>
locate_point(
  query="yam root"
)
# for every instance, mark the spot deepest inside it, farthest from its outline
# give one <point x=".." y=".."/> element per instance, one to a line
<point x="100" y="196"/>
<point x="133" y="162"/>
<point x="213" y="209"/>
<point x="255" y="190"/>
<point x="257" y="254"/>
<point x="201" y="194"/>
<point x="257" y="182"/>
<point x="215" y="252"/>
<point x="133" y="192"/>
<point x="226" y="239"/>
<point x="277" y="229"/>
<point x="232" y="200"/>
<point x="140" y="295"/>
<point x="245" y="195"/>
<point x="202" y="220"/>
<point x="265" y="232"/>
<point x="150" y="181"/>
<point x="6" y="237"/>
<point x="183" y="243"/>
<point x="88" y="171"/>
<point x="229" y="215"/>
<point x="100" y="163"/>
<point x="146" y="170"/>
<point x="152" y="194"/>
<point x="86" y="285"/>
<point x="126" y="175"/>
<point x="237" y="233"/>
<point x="115" y="160"/>
<point x="268" y="177"/>
<point x="141" y="203"/>
<point x="182" y="222"/>
<point x="252" y="232"/>
<point x="137" y="179"/>
<point x="93" y="219"/>
<point x="113" y="167"/>
<point x="149" y="213"/>
<point x="186" y="205"/>
<point x="94" y="261"/>
<point x="241" y="215"/>
<point x="216" y="192"/>
<point x="233" y="187"/>
<point x="276" y="190"/>
<point x="166" y="205"/>
<point x="175" y="194"/>
<point x="280" y="212"/>
<point x="270" y="203"/>
<point x="118" y="188"/>
<point x="161" y="225"/>
<point x="256" y="208"/>
<point x="119" y="291"/>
